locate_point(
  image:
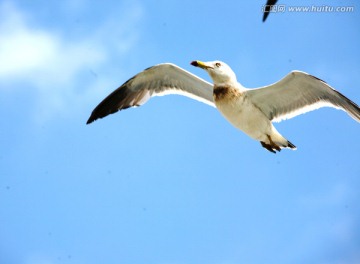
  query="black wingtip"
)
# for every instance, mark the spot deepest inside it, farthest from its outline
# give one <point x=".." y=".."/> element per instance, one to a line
<point x="267" y="8"/>
<point x="265" y="16"/>
<point x="95" y="115"/>
<point x="90" y="120"/>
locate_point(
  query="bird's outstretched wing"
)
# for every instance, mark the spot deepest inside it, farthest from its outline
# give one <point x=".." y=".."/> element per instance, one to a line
<point x="298" y="93"/>
<point x="161" y="79"/>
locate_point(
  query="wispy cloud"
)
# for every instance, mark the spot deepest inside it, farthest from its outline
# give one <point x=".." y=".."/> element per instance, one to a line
<point x="50" y="63"/>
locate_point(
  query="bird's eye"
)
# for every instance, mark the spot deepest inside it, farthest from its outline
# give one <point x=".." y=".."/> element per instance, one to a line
<point x="218" y="64"/>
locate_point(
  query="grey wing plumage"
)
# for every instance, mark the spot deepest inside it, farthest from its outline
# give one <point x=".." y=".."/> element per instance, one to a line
<point x="298" y="93"/>
<point x="158" y="80"/>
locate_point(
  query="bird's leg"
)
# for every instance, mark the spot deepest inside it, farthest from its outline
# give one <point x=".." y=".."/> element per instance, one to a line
<point x="273" y="145"/>
<point x="268" y="147"/>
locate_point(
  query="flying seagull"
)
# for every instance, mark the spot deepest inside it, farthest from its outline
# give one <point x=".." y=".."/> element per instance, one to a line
<point x="250" y="110"/>
<point x="267" y="8"/>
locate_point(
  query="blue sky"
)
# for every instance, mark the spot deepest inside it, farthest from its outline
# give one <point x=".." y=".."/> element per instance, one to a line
<point x="172" y="182"/>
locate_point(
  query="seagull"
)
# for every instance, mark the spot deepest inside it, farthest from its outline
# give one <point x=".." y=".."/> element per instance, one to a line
<point x="250" y="110"/>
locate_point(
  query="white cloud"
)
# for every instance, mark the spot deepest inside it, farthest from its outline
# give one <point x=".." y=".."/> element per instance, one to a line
<point x="51" y="63"/>
<point x="35" y="54"/>
<point x="23" y="50"/>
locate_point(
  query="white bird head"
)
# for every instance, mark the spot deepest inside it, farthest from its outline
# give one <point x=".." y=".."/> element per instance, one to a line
<point x="219" y="71"/>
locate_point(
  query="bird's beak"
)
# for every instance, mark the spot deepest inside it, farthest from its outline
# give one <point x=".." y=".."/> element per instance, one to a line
<point x="200" y="64"/>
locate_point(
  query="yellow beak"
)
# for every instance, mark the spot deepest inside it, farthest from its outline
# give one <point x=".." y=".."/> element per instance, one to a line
<point x="200" y="64"/>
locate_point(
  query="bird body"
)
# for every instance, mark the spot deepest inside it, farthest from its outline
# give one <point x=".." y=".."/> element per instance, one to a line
<point x="236" y="107"/>
<point x="250" y="110"/>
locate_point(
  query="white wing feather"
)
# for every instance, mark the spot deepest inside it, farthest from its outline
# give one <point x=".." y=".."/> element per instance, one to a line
<point x="158" y="80"/>
<point x="298" y="93"/>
